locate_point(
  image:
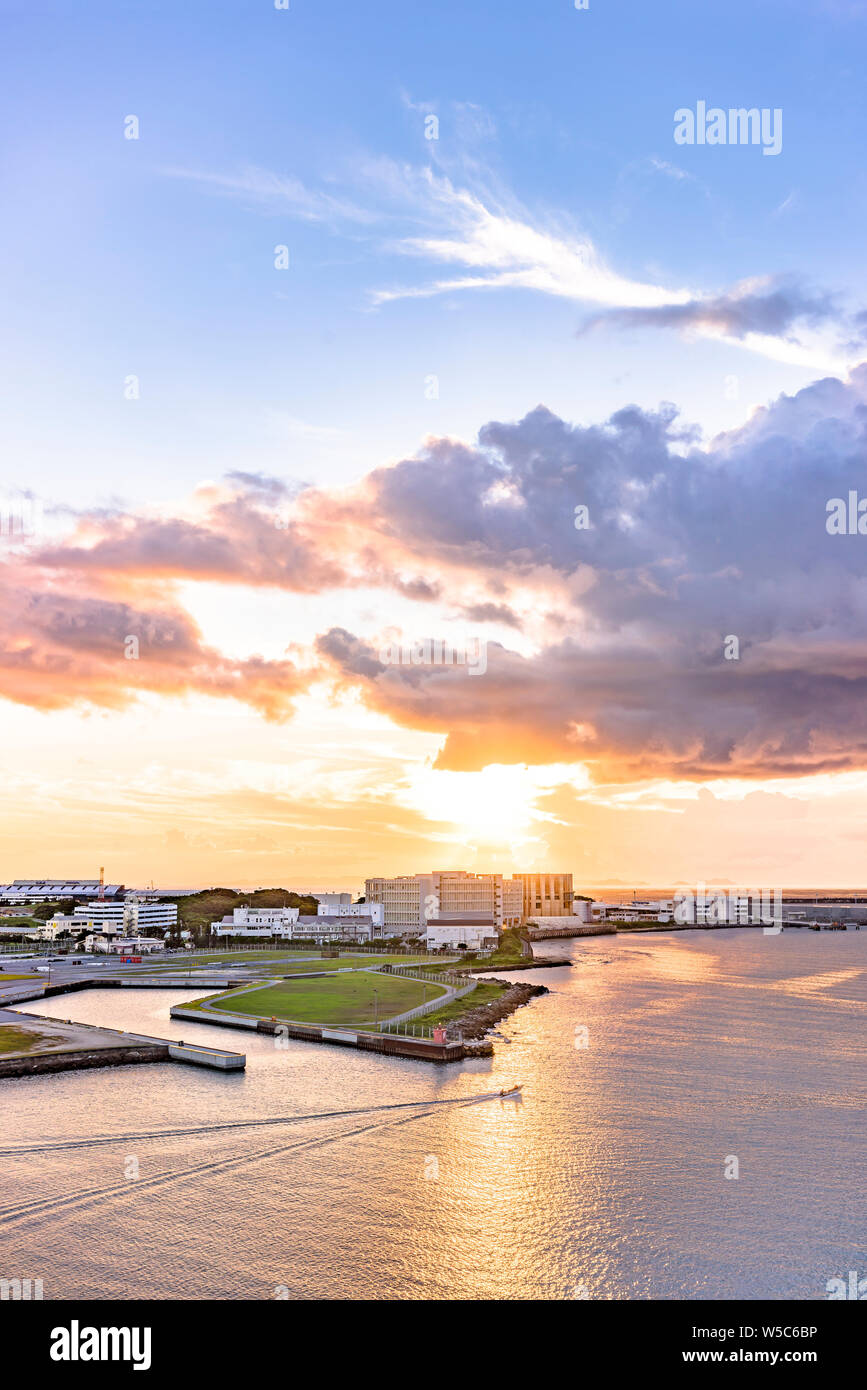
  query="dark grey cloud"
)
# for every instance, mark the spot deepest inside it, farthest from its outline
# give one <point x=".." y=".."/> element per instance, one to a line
<point x="778" y="308"/>
<point x="686" y="547"/>
<point x="349" y="653"/>
<point x="491" y="613"/>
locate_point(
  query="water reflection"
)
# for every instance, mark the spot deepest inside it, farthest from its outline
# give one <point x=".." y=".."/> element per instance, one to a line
<point x="651" y="1059"/>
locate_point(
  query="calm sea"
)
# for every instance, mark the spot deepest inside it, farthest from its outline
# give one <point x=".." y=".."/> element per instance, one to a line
<point x="657" y="1064"/>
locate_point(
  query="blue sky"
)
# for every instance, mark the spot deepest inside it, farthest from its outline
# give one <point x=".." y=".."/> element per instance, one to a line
<point x="120" y="260"/>
<point x="554" y="247"/>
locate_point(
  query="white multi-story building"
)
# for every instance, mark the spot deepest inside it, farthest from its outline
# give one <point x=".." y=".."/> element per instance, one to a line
<point x="329" y="902"/>
<point x="485" y="896"/>
<point x="411" y="901"/>
<point x="405" y="901"/>
<point x="129" y="917"/>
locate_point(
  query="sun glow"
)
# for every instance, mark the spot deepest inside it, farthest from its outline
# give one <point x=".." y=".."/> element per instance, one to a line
<point x="494" y="807"/>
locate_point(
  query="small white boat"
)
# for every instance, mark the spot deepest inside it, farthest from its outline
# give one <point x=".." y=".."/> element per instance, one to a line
<point x="513" y="1093"/>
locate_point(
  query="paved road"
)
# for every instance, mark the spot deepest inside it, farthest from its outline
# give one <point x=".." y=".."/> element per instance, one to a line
<point x="68" y="970"/>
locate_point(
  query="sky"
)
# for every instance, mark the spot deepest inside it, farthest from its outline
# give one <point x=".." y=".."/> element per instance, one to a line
<point x="336" y="331"/>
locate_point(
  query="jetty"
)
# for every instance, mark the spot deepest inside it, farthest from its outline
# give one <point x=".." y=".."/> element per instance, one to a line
<point x="31" y="1045"/>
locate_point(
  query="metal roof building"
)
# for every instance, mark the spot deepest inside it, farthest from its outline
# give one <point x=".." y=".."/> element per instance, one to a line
<point x="28" y="889"/>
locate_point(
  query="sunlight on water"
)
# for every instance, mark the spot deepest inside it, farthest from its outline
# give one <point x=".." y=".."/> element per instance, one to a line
<point x="651" y="1062"/>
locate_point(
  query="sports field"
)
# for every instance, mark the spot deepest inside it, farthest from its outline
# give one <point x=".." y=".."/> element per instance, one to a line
<point x="350" y="1000"/>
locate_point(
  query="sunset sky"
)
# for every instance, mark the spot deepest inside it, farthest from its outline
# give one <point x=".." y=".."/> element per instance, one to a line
<point x="269" y="475"/>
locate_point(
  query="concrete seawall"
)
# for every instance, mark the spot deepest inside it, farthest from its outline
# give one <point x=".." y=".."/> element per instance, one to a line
<point x="581" y="929"/>
<point x="35" y="1064"/>
<point x="387" y="1044"/>
<point x="60" y="1045"/>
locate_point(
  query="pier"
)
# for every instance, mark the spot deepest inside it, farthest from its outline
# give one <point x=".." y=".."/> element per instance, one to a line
<point x="40" y="1045"/>
<point x="388" y="1044"/>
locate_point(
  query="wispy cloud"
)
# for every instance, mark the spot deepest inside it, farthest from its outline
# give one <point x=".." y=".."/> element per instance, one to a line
<point x="278" y="193"/>
<point x="507" y="251"/>
<point x="671" y="171"/>
<point x="491" y="242"/>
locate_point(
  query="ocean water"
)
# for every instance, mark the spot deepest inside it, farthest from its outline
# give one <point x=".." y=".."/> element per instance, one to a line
<point x="657" y="1064"/>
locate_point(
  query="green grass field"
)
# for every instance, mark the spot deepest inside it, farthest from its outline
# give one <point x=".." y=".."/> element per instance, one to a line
<point x="346" y="962"/>
<point x="14" y="1039"/>
<point x="507" y="953"/>
<point x="339" y="1001"/>
<point x="450" y="1013"/>
<point x="269" y="959"/>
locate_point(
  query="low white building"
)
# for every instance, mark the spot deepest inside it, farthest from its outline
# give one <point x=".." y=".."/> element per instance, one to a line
<point x="327" y="928"/>
<point x="467" y="934"/>
<point x="258" y="922"/>
<point x="100" y="944"/>
<point x="634" y="910"/>
<point x="72" y="923"/>
<point x="286" y="924"/>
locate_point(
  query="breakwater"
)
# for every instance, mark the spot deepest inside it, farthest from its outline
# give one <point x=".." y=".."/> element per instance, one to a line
<point x="541" y="933"/>
<point x="387" y="1044"/>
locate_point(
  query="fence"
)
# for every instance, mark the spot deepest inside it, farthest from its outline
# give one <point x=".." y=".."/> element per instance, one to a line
<point x="437" y="977"/>
<point x="467" y="984"/>
<point x="31" y="948"/>
<point x="345" y="945"/>
<point x="415" y="1030"/>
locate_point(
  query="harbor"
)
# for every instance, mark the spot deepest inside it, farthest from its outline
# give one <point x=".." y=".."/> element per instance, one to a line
<point x="237" y="1170"/>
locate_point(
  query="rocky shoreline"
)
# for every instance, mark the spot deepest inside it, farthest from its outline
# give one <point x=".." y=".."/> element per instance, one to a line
<point x="476" y="1023"/>
<point x="543" y="963"/>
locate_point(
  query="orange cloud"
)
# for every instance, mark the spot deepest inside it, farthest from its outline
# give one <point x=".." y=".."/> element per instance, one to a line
<point x="624" y="624"/>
